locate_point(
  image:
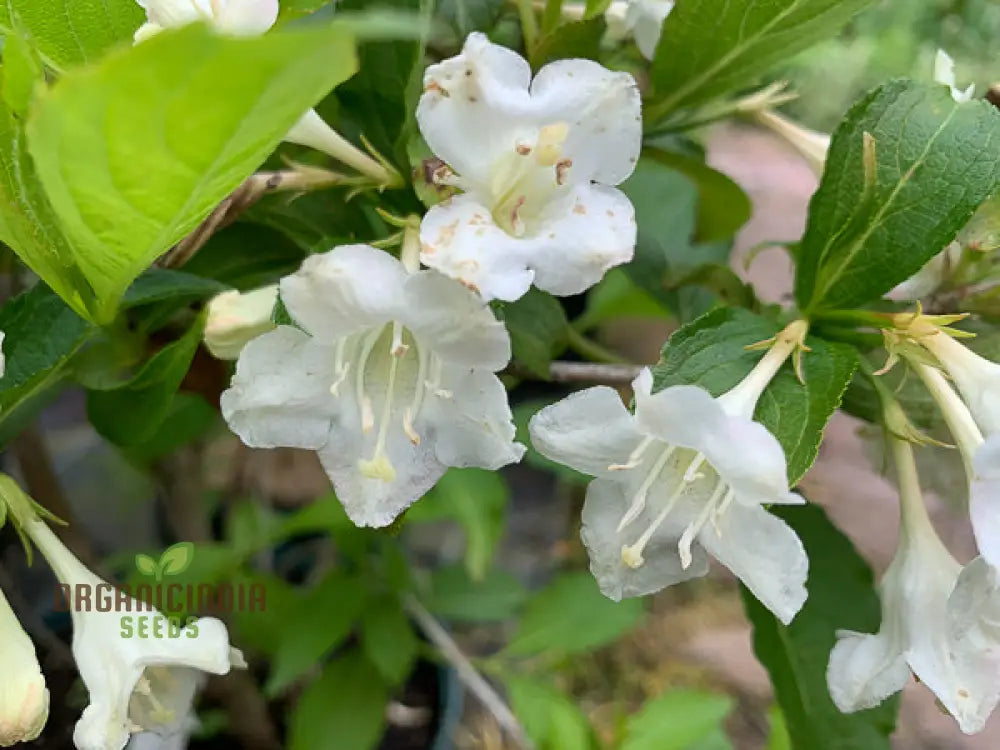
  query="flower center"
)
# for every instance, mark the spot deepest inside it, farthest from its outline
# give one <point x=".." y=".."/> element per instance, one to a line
<point x="719" y="499"/>
<point x="525" y="180"/>
<point x="392" y="378"/>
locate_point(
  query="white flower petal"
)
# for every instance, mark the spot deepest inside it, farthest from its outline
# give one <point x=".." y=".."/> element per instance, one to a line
<point x="645" y="20"/>
<point x="169" y="14"/>
<point x="606" y="502"/>
<point x="680" y="415"/>
<point x="460" y="239"/>
<point x="344" y="291"/>
<point x="984" y="499"/>
<point x="579" y="238"/>
<point x="24" y="699"/>
<point x="280" y="394"/>
<point x="455" y="322"/>
<point x="246" y="17"/>
<point x="588" y="430"/>
<point x="471" y="105"/>
<point x="865" y="669"/>
<point x="473" y="424"/>
<point x="763" y="552"/>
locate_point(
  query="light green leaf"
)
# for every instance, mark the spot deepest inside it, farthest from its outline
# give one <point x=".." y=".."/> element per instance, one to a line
<point x="711" y="352"/>
<point x="68" y="33"/>
<point x="569" y="616"/>
<point x="476" y="499"/>
<point x="343" y="709"/>
<point x="176" y="559"/>
<point x="146" y="565"/>
<point x="869" y="228"/>
<point x="388" y="640"/>
<point x="455" y="596"/>
<point x="538" y="329"/>
<point x="727" y="46"/>
<point x="551" y="719"/>
<point x="677" y="720"/>
<point x="21" y="73"/>
<point x="132" y="412"/>
<point x="841" y="596"/>
<point x="778" y="739"/>
<point x="42" y="337"/>
<point x="135" y="151"/>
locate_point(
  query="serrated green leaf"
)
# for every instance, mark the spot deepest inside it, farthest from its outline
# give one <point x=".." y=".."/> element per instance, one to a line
<point x="455" y="596"/>
<point x="132" y="412"/>
<point x="570" y="616"/>
<point x="476" y="499"/>
<point x="728" y="46"/>
<point x="343" y="709"/>
<point x="144" y="137"/>
<point x="388" y="640"/>
<point x="551" y="719"/>
<point x="676" y="720"/>
<point x="176" y="558"/>
<point x="841" y="596"/>
<point x="936" y="161"/>
<point x="711" y="353"/>
<point x="73" y="32"/>
<point x="538" y="329"/>
<point x="42" y="337"/>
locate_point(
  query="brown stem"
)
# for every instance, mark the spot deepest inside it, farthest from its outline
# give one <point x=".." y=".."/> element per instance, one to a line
<point x="586" y="372"/>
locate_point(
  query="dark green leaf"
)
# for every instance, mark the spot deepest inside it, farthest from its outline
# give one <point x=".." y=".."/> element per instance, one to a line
<point x="711" y="353"/>
<point x="132" y="412"/>
<point x="677" y="720"/>
<point x="343" y="709"/>
<point x="841" y="596"/>
<point x="159" y="284"/>
<point x="538" y="329"/>
<point x="728" y="46"/>
<point x="246" y="256"/>
<point x="570" y="616"/>
<point x="388" y="640"/>
<point x="455" y="596"/>
<point x="936" y="161"/>
<point x="580" y="39"/>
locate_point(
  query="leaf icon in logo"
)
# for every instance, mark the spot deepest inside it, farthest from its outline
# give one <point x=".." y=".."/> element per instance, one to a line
<point x="176" y="559"/>
<point x="146" y="565"/>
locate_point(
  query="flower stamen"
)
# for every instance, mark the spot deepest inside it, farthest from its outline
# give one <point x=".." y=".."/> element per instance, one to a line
<point x="695" y="527"/>
<point x="639" y="499"/>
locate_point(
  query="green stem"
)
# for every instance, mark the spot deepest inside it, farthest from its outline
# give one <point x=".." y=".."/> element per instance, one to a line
<point x="851" y="336"/>
<point x="861" y="318"/>
<point x="591" y="350"/>
<point x="529" y="24"/>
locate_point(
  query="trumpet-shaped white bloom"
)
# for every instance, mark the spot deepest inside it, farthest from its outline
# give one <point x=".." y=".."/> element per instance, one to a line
<point x="977" y="378"/>
<point x="686" y="475"/>
<point x="234" y="17"/>
<point x="234" y="318"/>
<point x="939" y="621"/>
<point x="536" y="160"/>
<point x="944" y="73"/>
<point x="24" y="699"/>
<point x="389" y="376"/>
<point x="644" y="20"/>
<point x="138" y="680"/>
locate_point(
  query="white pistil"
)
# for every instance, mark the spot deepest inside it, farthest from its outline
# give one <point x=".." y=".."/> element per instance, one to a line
<point x="367" y="417"/>
<point x="379" y="466"/>
<point x="434" y="382"/>
<point x="692" y="474"/>
<point x="639" y="499"/>
<point x="693" y="529"/>
<point x="635" y="456"/>
<point x="420" y="388"/>
<point x="341" y="368"/>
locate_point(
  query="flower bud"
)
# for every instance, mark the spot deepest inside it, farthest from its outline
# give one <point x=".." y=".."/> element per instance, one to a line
<point x="234" y="318"/>
<point x="24" y="699"/>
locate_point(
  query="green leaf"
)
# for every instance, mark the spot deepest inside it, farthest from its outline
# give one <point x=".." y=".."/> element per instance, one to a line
<point x="21" y="73"/>
<point x="145" y="565"/>
<point x="42" y="335"/>
<point x="728" y="46"/>
<point x="841" y="596"/>
<point x="579" y="39"/>
<point x="176" y="559"/>
<point x="723" y="207"/>
<point x="551" y="719"/>
<point x="133" y="412"/>
<point x="476" y="499"/>
<point x="388" y="640"/>
<point x="144" y="137"/>
<point x="711" y="353"/>
<point x="617" y="296"/>
<point x="188" y="418"/>
<point x="778" y="739"/>
<point x="455" y="596"/>
<point x="570" y="616"/>
<point x="676" y="720"/>
<point x="538" y="329"/>
<point x="343" y="709"/>
<point x="68" y="33"/>
<point x="869" y="228"/>
<point x="158" y="284"/>
<point x="322" y="619"/>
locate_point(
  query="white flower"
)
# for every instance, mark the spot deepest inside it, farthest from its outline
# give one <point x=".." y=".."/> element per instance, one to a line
<point x="137" y="679"/>
<point x="944" y="73"/>
<point x="24" y="699"/>
<point x="977" y="378"/>
<point x="931" y="277"/>
<point x="812" y="144"/>
<point x="389" y="377"/>
<point x="234" y="17"/>
<point x="940" y="621"/>
<point x="644" y="19"/>
<point x="536" y="160"/>
<point x="234" y="318"/>
<point x="685" y="475"/>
